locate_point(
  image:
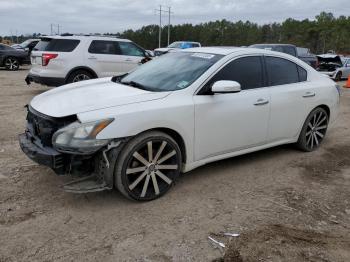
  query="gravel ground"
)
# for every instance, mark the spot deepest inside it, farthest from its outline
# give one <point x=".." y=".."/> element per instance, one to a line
<point x="286" y="205"/>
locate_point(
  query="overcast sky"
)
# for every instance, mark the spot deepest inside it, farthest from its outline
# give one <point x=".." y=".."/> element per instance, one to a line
<point x="87" y="16"/>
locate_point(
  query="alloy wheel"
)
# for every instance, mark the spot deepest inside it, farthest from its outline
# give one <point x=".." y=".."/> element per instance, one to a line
<point x="80" y="77"/>
<point x="152" y="169"/>
<point x="316" y="129"/>
<point x="11" y="64"/>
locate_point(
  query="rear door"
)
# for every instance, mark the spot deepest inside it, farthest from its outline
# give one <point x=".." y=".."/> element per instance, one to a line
<point x="292" y="97"/>
<point x="132" y="54"/>
<point x="104" y="57"/>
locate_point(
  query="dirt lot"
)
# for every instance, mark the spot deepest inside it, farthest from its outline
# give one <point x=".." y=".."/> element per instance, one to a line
<point x="287" y="205"/>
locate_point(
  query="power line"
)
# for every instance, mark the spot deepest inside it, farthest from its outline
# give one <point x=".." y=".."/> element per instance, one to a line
<point x="160" y="11"/>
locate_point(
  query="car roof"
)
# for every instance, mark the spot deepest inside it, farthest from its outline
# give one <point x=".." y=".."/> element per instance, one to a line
<point x="185" y="42"/>
<point x="272" y="45"/>
<point x="86" y="37"/>
<point x="227" y="50"/>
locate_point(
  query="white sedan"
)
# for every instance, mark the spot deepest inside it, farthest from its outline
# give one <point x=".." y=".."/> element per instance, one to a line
<point x="139" y="131"/>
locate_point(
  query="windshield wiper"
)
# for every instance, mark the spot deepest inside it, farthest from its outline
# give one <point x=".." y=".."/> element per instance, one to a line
<point x="135" y="84"/>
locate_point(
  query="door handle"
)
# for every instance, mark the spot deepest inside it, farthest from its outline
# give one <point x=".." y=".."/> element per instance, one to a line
<point x="128" y="60"/>
<point x="92" y="58"/>
<point x="261" y="102"/>
<point x="309" y="94"/>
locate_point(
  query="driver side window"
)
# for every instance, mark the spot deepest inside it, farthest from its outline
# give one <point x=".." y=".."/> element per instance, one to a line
<point x="247" y="71"/>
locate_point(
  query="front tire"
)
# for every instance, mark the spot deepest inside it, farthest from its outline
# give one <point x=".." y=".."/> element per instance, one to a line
<point x="314" y="130"/>
<point x="148" y="166"/>
<point x="11" y="64"/>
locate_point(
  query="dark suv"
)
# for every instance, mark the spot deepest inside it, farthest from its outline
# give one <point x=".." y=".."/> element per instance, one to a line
<point x="300" y="52"/>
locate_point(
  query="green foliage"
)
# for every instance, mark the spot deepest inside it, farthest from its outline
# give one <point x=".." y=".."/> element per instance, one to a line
<point x="324" y="33"/>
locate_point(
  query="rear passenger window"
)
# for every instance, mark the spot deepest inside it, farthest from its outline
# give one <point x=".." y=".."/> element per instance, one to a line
<point x="104" y="47"/>
<point x="281" y="71"/>
<point x="62" y="45"/>
<point x="246" y="70"/>
<point x="130" y="49"/>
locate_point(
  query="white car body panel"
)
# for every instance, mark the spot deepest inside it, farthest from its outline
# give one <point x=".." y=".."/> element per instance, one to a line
<point x="212" y="127"/>
<point x="233" y="115"/>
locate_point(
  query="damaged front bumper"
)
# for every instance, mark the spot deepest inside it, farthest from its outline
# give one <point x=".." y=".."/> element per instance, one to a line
<point x="91" y="173"/>
<point x="42" y="155"/>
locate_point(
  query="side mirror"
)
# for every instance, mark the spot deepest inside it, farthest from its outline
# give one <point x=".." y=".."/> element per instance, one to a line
<point x="226" y="86"/>
<point x="26" y="49"/>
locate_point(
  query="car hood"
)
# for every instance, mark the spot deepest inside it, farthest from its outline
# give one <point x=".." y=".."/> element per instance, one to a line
<point x="88" y="96"/>
<point x="329" y="58"/>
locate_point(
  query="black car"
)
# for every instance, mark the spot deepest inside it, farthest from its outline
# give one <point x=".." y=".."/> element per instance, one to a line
<point x="12" y="58"/>
<point x="27" y="45"/>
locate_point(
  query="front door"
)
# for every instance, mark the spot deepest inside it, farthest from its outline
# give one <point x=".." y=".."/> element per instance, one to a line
<point x="132" y="54"/>
<point x="234" y="121"/>
<point x="104" y="58"/>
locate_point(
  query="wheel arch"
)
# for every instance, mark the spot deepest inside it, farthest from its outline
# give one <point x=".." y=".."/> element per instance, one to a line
<point x="176" y="136"/>
<point x="325" y="107"/>
<point x="88" y="69"/>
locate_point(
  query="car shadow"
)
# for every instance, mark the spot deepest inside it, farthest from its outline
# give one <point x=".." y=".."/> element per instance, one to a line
<point x="20" y="69"/>
<point x="114" y="198"/>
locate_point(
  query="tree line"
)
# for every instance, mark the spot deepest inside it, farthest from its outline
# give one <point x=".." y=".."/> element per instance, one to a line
<point x="326" y="32"/>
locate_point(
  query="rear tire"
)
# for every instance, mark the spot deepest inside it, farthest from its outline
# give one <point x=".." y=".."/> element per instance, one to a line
<point x="338" y="76"/>
<point x="148" y="166"/>
<point x="79" y="75"/>
<point x="314" y="130"/>
<point x="11" y="64"/>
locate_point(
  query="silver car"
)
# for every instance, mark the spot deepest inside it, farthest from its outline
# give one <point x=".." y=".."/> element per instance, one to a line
<point x="337" y="67"/>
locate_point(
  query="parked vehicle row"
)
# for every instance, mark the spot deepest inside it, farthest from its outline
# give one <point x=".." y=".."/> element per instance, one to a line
<point x="138" y="132"/>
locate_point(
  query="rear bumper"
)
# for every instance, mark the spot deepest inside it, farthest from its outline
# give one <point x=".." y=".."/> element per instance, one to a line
<point x="41" y="155"/>
<point x="48" y="81"/>
<point x="331" y="73"/>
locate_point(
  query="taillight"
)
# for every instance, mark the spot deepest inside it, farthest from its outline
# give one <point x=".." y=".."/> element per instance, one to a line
<point x="47" y="57"/>
<point x="317" y="64"/>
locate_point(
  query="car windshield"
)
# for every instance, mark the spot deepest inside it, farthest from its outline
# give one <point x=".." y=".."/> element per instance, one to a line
<point x="25" y="43"/>
<point x="175" y="45"/>
<point x="173" y="71"/>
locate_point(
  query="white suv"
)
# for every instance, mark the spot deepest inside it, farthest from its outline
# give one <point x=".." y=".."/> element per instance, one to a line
<point x="58" y="60"/>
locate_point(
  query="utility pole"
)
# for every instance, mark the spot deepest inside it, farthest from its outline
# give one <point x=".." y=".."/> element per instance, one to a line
<point x="169" y="13"/>
<point x="160" y="26"/>
<point x="55" y="29"/>
<point x="160" y="10"/>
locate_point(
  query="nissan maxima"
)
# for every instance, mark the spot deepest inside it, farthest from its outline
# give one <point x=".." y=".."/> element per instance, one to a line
<point x="137" y="132"/>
